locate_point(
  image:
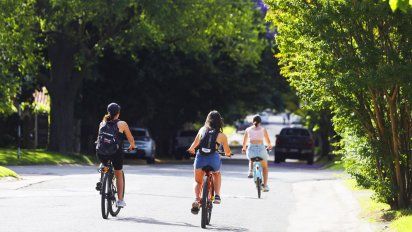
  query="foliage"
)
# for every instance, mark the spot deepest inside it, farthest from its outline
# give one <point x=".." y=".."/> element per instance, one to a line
<point x="5" y="172"/>
<point x="354" y="58"/>
<point x="36" y="157"/>
<point x="404" y="5"/>
<point x="59" y="41"/>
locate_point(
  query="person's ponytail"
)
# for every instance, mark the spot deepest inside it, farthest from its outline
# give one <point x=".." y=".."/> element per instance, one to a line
<point x="107" y="117"/>
<point x="257" y="120"/>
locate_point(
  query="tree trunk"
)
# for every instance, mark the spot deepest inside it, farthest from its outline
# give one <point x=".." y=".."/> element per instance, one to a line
<point x="63" y="86"/>
<point x="395" y="144"/>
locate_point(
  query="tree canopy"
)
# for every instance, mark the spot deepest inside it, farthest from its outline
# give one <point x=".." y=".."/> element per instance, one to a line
<point x="58" y="42"/>
<point x="355" y="58"/>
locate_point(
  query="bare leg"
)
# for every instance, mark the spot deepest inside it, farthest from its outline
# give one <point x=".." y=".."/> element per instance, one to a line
<point x="198" y="182"/>
<point x="265" y="171"/>
<point x="217" y="181"/>
<point x="250" y="165"/>
<point x="119" y="183"/>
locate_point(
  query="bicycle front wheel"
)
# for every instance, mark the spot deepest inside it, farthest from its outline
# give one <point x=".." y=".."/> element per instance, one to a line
<point x="105" y="192"/>
<point x="205" y="194"/>
<point x="113" y="209"/>
<point x="259" y="186"/>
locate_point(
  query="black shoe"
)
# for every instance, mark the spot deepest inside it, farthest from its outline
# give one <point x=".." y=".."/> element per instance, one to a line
<point x="195" y="208"/>
<point x="99" y="186"/>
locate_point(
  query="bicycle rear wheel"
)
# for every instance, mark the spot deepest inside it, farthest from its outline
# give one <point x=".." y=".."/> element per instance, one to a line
<point x="210" y="203"/>
<point x="205" y="207"/>
<point x="113" y="209"/>
<point x="105" y="192"/>
<point x="259" y="186"/>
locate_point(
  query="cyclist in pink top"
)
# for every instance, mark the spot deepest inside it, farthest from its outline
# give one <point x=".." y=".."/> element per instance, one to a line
<point x="253" y="140"/>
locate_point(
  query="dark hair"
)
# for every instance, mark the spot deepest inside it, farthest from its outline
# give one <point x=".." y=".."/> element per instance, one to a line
<point x="257" y="120"/>
<point x="112" y="110"/>
<point x="214" y="121"/>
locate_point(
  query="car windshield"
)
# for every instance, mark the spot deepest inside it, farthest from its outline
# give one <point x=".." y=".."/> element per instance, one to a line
<point x="138" y="133"/>
<point x="294" y="132"/>
<point x="188" y="133"/>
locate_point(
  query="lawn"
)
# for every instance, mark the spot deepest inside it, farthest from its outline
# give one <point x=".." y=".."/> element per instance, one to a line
<point x="5" y="172"/>
<point x="40" y="156"/>
<point x="373" y="211"/>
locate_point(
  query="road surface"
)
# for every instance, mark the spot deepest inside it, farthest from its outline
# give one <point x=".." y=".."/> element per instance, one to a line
<point x="62" y="198"/>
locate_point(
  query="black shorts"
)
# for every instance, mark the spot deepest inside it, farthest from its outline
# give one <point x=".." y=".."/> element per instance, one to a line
<point x="117" y="160"/>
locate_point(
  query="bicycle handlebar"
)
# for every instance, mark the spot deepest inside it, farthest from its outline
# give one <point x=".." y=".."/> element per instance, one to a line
<point x="223" y="153"/>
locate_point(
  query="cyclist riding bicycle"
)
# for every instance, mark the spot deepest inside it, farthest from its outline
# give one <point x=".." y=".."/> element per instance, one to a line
<point x="254" y="136"/>
<point x="109" y="146"/>
<point x="207" y="141"/>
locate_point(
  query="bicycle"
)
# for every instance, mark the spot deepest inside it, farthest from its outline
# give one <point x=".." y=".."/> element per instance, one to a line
<point x="257" y="174"/>
<point x="108" y="191"/>
<point x="208" y="195"/>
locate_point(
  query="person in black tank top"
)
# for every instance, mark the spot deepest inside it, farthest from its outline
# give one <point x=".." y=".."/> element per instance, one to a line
<point x="112" y="116"/>
<point x="208" y="139"/>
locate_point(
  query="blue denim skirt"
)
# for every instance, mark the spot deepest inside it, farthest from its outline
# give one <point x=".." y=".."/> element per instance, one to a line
<point x="212" y="160"/>
<point x="257" y="150"/>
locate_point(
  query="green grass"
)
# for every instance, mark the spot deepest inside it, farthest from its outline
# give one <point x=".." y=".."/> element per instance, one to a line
<point x="5" y="172"/>
<point x="373" y="211"/>
<point x="337" y="166"/>
<point x="403" y="221"/>
<point x="39" y="156"/>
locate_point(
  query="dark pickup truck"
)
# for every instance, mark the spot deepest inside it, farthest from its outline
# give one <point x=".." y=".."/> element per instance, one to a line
<point x="294" y="143"/>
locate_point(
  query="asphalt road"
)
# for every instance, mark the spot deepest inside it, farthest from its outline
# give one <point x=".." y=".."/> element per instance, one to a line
<point x="62" y="198"/>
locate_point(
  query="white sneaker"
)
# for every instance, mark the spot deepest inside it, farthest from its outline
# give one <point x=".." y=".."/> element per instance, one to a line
<point x="266" y="188"/>
<point x="250" y="174"/>
<point x="120" y="204"/>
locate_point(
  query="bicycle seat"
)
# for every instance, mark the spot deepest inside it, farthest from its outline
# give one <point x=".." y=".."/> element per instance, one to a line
<point x="208" y="169"/>
<point x="256" y="159"/>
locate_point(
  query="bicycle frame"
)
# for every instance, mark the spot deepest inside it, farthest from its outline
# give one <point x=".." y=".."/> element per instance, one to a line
<point x="257" y="171"/>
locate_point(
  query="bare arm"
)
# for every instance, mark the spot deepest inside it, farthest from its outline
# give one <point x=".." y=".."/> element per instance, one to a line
<point x="267" y="139"/>
<point x="123" y="127"/>
<point x="195" y="143"/>
<point x="223" y="141"/>
<point x="245" y="138"/>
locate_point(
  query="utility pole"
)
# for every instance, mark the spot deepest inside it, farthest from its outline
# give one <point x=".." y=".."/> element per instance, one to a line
<point x="19" y="120"/>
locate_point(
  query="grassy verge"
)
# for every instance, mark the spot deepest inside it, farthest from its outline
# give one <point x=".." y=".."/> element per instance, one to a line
<point x="5" y="172"/>
<point x="39" y="156"/>
<point x="336" y="165"/>
<point x="377" y="212"/>
<point x="229" y="130"/>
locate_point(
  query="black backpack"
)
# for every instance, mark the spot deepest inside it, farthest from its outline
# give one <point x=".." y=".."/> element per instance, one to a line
<point x="107" y="140"/>
<point x="207" y="144"/>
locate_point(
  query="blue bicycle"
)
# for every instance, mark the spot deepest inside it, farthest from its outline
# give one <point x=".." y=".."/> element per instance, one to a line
<point x="257" y="174"/>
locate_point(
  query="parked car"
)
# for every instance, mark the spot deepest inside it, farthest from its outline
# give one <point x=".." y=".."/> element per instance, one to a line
<point x="182" y="142"/>
<point x="145" y="145"/>
<point x="294" y="143"/>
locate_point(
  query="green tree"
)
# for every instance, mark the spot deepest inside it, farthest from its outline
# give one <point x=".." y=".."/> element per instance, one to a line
<point x="404" y="5"/>
<point x="62" y="39"/>
<point x="355" y="57"/>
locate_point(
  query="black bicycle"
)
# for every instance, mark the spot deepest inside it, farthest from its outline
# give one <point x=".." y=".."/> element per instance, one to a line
<point x="208" y="195"/>
<point x="108" y="190"/>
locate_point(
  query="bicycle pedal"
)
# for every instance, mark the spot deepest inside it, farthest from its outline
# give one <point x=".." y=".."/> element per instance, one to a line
<point x="98" y="186"/>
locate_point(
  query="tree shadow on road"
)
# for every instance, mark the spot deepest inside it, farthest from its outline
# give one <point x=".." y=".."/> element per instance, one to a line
<point x="147" y="220"/>
<point x="226" y="228"/>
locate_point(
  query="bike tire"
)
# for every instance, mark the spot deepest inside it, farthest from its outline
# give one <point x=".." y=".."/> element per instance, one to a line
<point x="104" y="196"/>
<point x="113" y="194"/>
<point x="210" y="203"/>
<point x="204" y="203"/>
<point x="259" y="186"/>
